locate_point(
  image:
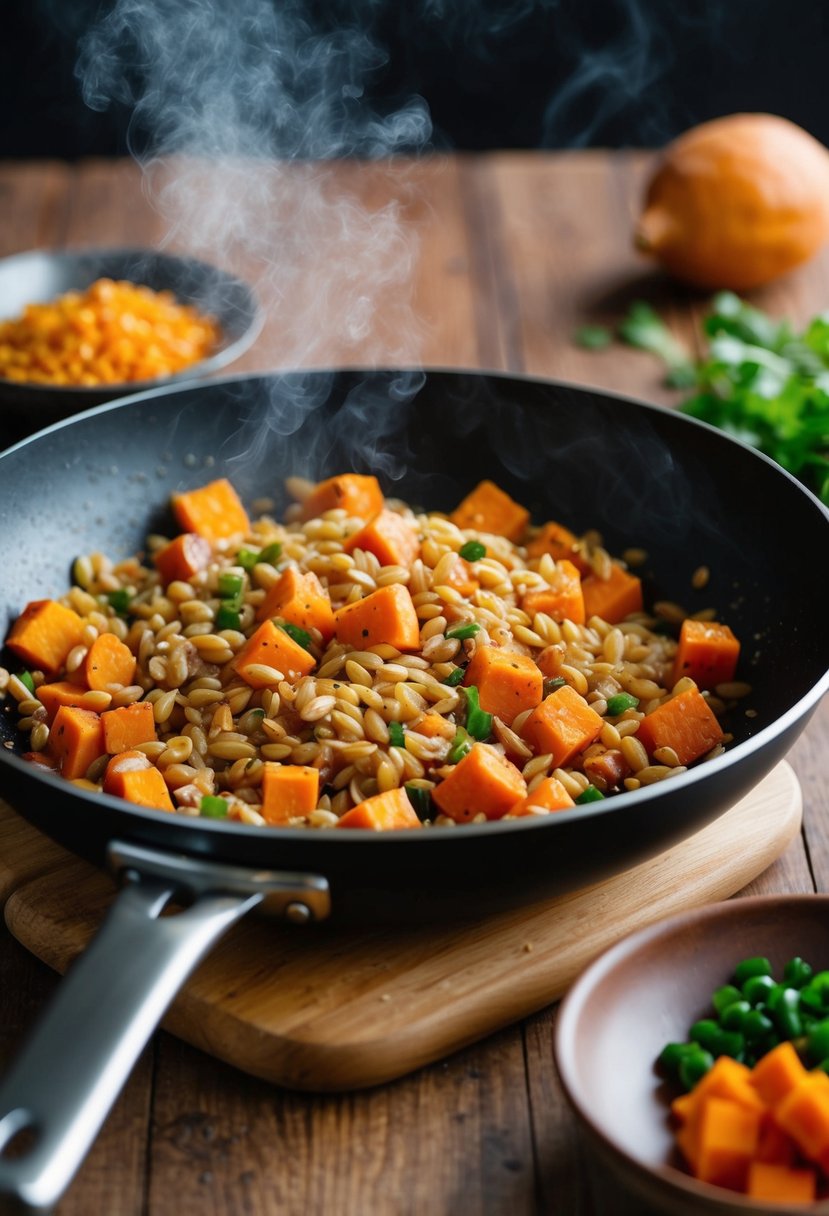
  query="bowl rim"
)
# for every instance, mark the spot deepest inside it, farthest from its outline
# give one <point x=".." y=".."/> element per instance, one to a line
<point x="666" y="1176"/>
<point x="220" y="358"/>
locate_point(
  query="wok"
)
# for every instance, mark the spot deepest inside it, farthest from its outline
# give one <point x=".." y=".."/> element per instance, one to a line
<point x="643" y="476"/>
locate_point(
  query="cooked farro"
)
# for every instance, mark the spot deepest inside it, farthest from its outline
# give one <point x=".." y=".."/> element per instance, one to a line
<point x="393" y="713"/>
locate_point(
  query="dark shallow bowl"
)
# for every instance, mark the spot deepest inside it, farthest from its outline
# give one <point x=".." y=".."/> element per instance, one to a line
<point x="41" y="275"/>
<point x="646" y="991"/>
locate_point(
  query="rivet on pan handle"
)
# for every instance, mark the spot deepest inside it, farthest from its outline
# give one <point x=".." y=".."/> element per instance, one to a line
<point x="62" y="1085"/>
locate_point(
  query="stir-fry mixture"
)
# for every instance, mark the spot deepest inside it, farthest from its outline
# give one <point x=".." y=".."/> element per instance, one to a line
<point x="755" y="1118"/>
<point x="111" y="333"/>
<point x="365" y="665"/>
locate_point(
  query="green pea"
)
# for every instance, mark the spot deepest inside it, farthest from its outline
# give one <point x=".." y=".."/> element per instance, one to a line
<point x="749" y="967"/>
<point x="724" y="997"/>
<point x="817" y="1043"/>
<point x="786" y="1013"/>
<point x="705" y="1032"/>
<point x="797" y="973"/>
<point x="732" y="1016"/>
<point x="815" y="994"/>
<point x="756" y="1026"/>
<point x="672" y="1054"/>
<point x="694" y="1066"/>
<point x="756" y="989"/>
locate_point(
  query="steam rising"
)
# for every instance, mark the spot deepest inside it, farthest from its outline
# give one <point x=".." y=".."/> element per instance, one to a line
<point x="235" y="110"/>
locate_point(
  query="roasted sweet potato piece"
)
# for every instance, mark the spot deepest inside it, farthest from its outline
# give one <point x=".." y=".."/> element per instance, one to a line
<point x="385" y="812"/>
<point x="549" y="795"/>
<point x="355" y="493"/>
<point x="686" y="723"/>
<point x="183" y="557"/>
<point x="44" y="633"/>
<point x="300" y="599"/>
<point x="272" y="647"/>
<point x="482" y="782"/>
<point x="52" y="696"/>
<point x="392" y="539"/>
<point x="75" y="740"/>
<point x="488" y="508"/>
<point x="612" y="598"/>
<point x="707" y="653"/>
<point x="131" y="776"/>
<point x="214" y="511"/>
<point x="387" y="615"/>
<point x="127" y="726"/>
<point x="288" y="791"/>
<point x="560" y="543"/>
<point x="563" y="725"/>
<point x="108" y="661"/>
<point x="507" y="683"/>
<point x="562" y="600"/>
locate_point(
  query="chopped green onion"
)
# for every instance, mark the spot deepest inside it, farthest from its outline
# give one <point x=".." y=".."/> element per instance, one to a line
<point x="213" y="808"/>
<point x="591" y="794"/>
<point x="230" y="586"/>
<point x="478" y="721"/>
<point x="119" y="601"/>
<point x="472" y="551"/>
<point x="454" y="678"/>
<point x="301" y="636"/>
<point x="247" y="558"/>
<point x="551" y="684"/>
<point x="620" y="702"/>
<point x="396" y="734"/>
<point x="467" y="630"/>
<point x="227" y="616"/>
<point x="25" y="677"/>
<point x="461" y="746"/>
<point x="271" y="553"/>
<point x="420" y="799"/>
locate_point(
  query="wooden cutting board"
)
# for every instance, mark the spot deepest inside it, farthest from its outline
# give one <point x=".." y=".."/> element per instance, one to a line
<point x="334" y="1009"/>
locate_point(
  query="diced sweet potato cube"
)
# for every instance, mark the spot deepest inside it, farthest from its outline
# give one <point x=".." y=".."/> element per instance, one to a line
<point x="549" y="795"/>
<point x="562" y="600"/>
<point x="730" y="1079"/>
<point x="686" y="723"/>
<point x="127" y="726"/>
<point x="108" y="661"/>
<point x="560" y="543"/>
<point x="183" y="557"/>
<point x="44" y="633"/>
<point x="804" y="1114"/>
<point x="354" y="493"/>
<point x="387" y="615"/>
<point x="389" y="811"/>
<point x="392" y="539"/>
<point x="300" y="599"/>
<point x="76" y="739"/>
<point x="727" y="1138"/>
<point x="563" y="725"/>
<point x="507" y="683"/>
<point x="484" y="781"/>
<point x="707" y="653"/>
<point x="214" y="511"/>
<point x="288" y="791"/>
<point x="131" y="776"/>
<point x="434" y="726"/>
<point x="777" y="1073"/>
<point x="780" y="1183"/>
<point x="271" y="647"/>
<point x="774" y="1144"/>
<point x="52" y="696"/>
<point x="489" y="509"/>
<point x="612" y="598"/>
<point x="551" y="659"/>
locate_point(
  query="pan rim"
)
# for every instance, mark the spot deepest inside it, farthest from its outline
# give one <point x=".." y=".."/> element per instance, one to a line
<point x="496" y="828"/>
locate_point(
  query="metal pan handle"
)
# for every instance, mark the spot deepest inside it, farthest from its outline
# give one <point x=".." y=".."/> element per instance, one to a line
<point x="81" y="1052"/>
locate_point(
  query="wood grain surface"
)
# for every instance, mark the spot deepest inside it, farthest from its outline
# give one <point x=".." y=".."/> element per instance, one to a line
<point x="514" y="251"/>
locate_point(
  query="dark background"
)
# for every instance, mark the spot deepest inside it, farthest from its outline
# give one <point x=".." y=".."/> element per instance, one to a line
<point x="494" y="73"/>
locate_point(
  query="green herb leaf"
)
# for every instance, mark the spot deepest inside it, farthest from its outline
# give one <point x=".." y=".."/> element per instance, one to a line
<point x="454" y="678"/>
<point x="620" y="702"/>
<point x="213" y="808"/>
<point x="643" y="328"/>
<point x="231" y="586"/>
<point x="591" y="794"/>
<point x="472" y="551"/>
<point x="301" y="636"/>
<point x="271" y="553"/>
<point x="396" y="734"/>
<point x="467" y="630"/>
<point x="247" y="558"/>
<point x="25" y="677"/>
<point x="593" y="337"/>
<point x="120" y="600"/>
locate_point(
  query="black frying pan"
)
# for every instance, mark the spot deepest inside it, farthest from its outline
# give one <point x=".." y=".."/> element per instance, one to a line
<point x="644" y="476"/>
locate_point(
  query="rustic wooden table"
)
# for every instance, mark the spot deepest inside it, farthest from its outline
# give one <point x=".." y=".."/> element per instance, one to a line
<point x="515" y="252"/>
